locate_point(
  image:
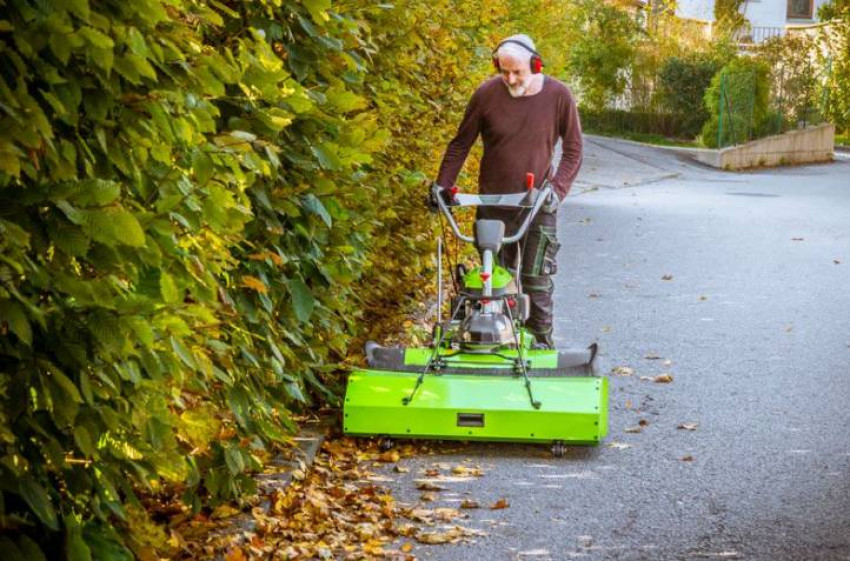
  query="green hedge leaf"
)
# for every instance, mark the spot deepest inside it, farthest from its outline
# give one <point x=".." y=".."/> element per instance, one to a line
<point x="313" y="204"/>
<point x="303" y="301"/>
<point x="39" y="501"/>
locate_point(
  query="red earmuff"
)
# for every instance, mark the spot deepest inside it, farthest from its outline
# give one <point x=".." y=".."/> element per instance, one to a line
<point x="536" y="64"/>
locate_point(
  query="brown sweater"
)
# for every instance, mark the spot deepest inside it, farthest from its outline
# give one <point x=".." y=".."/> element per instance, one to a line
<point x="519" y="136"/>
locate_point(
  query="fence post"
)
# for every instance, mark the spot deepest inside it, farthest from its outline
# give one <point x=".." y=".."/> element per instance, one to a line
<point x="721" y="105"/>
<point x="824" y="105"/>
<point x="752" y="127"/>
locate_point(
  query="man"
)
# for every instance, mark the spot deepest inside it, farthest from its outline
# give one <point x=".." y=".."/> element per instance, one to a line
<point x="521" y="115"/>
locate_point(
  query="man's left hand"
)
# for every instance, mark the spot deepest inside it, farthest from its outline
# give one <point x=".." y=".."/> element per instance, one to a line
<point x="553" y="201"/>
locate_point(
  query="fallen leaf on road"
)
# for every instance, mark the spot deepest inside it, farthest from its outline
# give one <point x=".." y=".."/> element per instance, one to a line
<point x="643" y="423"/>
<point x="453" y="535"/>
<point x="468" y="471"/>
<point x="703" y="298"/>
<point x="797" y="239"/>
<point x="428" y="486"/>
<point x="428" y="496"/>
<point x="432" y="472"/>
<point x="399" y="469"/>
<point x="606" y="329"/>
<point x="407" y="548"/>
<point x="629" y="401"/>
<point x="534" y="553"/>
<point x="837" y="261"/>
<point x="224" y="511"/>
<point x="634" y="429"/>
<point x="618" y="445"/>
<point x="500" y="504"/>
<point x="622" y="371"/>
<point x="667" y="278"/>
<point x="439" y="537"/>
<point x="389" y="457"/>
<point x="667" y="363"/>
<point x="448" y="514"/>
<point x="235" y="555"/>
<point x="651" y="356"/>
<point x="687" y="458"/>
<point x="688" y="426"/>
<point x="663" y="379"/>
<point x="593" y="295"/>
<point x="469" y="503"/>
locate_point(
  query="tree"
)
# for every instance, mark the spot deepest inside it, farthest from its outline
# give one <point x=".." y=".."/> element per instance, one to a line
<point x="602" y="47"/>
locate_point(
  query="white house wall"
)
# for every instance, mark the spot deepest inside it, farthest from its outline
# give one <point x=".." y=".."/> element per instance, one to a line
<point x="696" y="9"/>
<point x="760" y="13"/>
<point x="766" y="13"/>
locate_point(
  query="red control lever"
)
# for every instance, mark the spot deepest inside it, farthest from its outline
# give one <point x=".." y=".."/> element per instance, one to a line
<point x="529" y="181"/>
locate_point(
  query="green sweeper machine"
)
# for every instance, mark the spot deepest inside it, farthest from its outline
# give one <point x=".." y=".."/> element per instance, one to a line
<point x="483" y="377"/>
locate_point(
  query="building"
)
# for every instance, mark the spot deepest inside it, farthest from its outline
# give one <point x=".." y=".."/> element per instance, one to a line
<point x="767" y="18"/>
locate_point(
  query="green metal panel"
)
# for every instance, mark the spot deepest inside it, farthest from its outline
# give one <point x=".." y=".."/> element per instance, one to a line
<point x="501" y="278"/>
<point x="574" y="409"/>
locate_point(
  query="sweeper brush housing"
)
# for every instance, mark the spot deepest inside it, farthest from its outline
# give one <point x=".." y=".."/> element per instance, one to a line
<point x="486" y="401"/>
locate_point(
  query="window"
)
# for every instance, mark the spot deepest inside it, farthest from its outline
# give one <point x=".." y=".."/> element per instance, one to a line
<point x="799" y="9"/>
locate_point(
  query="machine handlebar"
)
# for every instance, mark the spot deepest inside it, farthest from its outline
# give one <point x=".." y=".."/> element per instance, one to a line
<point x="533" y="199"/>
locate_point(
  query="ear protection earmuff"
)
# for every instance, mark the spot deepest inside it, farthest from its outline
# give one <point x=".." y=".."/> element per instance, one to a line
<point x="536" y="61"/>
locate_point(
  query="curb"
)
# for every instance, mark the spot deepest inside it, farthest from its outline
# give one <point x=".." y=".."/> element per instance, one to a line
<point x="309" y="440"/>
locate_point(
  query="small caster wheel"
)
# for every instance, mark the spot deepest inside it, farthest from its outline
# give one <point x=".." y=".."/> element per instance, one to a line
<point x="558" y="449"/>
<point x="385" y="444"/>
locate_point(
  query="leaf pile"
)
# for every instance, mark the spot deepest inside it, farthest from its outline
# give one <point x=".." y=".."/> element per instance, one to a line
<point x="334" y="512"/>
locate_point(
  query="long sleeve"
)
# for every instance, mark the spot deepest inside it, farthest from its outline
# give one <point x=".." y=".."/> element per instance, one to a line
<point x="570" y="129"/>
<point x="459" y="147"/>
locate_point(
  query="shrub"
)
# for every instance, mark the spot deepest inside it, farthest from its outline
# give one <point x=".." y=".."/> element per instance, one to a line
<point x="602" y="50"/>
<point x="682" y="82"/>
<point x="737" y="100"/>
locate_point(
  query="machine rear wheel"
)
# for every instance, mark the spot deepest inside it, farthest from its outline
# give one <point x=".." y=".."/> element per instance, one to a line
<point x="385" y="444"/>
<point x="559" y="449"/>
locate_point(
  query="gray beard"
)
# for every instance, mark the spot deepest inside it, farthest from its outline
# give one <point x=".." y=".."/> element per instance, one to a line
<point x="518" y="91"/>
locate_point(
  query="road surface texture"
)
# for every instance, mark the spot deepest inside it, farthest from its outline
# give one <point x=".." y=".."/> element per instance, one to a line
<point x="753" y="324"/>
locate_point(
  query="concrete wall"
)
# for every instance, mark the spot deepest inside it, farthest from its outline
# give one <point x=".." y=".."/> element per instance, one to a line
<point x="813" y="144"/>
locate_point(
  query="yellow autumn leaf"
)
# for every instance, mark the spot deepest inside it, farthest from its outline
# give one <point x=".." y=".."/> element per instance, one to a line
<point x="254" y="284"/>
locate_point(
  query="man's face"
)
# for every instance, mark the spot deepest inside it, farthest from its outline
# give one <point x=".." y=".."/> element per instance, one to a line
<point x="516" y="74"/>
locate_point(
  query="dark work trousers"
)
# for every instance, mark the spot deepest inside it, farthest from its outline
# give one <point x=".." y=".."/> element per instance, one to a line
<point x="538" y="248"/>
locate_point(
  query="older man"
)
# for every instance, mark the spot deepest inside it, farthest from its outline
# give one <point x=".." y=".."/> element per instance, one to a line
<point x="521" y="114"/>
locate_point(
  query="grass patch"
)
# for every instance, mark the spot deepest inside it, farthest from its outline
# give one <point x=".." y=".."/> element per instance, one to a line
<point x="650" y="138"/>
<point x="842" y="139"/>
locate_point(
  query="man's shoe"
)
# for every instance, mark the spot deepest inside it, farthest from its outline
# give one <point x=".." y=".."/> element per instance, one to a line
<point x="543" y="341"/>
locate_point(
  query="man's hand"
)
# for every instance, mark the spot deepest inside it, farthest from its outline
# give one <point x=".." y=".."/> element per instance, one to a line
<point x="553" y="201"/>
<point x="431" y="199"/>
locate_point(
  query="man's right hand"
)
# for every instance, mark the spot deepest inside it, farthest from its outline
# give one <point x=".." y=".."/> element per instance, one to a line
<point x="431" y="199"/>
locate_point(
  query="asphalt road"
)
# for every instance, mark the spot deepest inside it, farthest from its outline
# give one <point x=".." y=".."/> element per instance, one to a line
<point x="755" y="323"/>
